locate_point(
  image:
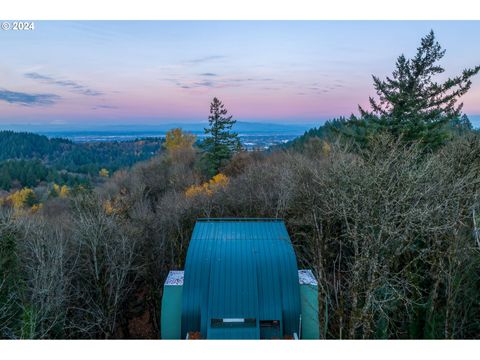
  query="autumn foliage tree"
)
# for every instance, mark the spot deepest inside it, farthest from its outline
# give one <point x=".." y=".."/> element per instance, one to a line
<point x="103" y="173"/>
<point x="60" y="191"/>
<point x="22" y="198"/>
<point x="209" y="187"/>
<point x="176" y="140"/>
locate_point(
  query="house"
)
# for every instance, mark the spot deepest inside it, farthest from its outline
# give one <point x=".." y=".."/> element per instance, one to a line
<point x="240" y="281"/>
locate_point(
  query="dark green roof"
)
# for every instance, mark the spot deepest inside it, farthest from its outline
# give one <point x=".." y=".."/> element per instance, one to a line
<point x="240" y="269"/>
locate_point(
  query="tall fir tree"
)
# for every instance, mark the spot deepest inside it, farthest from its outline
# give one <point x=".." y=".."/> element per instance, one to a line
<point x="221" y="142"/>
<point x="411" y="104"/>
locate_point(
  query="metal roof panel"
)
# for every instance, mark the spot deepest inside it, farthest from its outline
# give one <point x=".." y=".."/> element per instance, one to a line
<point x="240" y="268"/>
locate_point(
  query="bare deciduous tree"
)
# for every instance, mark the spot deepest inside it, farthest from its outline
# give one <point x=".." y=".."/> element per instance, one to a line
<point x="106" y="263"/>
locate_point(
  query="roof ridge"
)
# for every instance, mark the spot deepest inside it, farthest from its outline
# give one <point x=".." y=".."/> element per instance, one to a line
<point x="239" y="219"/>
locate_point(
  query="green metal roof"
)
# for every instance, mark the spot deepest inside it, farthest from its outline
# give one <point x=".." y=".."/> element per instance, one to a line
<point x="240" y="269"/>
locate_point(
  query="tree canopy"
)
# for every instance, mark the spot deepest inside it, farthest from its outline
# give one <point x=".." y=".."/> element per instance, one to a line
<point x="411" y="104"/>
<point x="221" y="142"/>
<point x="176" y="140"/>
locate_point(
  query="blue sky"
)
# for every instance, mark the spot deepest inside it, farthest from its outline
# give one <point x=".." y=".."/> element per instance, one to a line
<point x="114" y="72"/>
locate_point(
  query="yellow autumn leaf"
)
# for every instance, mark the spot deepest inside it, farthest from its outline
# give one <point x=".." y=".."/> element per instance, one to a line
<point x="209" y="187"/>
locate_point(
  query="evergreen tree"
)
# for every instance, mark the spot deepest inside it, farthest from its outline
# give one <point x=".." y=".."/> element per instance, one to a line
<point x="221" y="143"/>
<point x="411" y="104"/>
<point x="461" y="125"/>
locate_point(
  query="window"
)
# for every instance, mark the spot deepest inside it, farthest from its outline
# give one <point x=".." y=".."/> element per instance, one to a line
<point x="233" y="322"/>
<point x="269" y="323"/>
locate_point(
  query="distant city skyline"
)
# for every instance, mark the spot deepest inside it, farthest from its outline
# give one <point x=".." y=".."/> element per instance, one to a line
<point x="101" y="73"/>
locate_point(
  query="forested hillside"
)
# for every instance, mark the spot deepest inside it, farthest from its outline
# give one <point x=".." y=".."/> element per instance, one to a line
<point x="356" y="128"/>
<point x="382" y="210"/>
<point x="27" y="159"/>
<point x="22" y="145"/>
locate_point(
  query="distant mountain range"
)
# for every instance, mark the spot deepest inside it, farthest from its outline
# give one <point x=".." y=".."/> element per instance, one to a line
<point x="197" y="128"/>
<point x="244" y="128"/>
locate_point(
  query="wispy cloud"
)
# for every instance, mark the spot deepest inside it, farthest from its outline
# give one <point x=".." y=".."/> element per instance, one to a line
<point x="205" y="59"/>
<point x="219" y="82"/>
<point x="26" y="99"/>
<point x="320" y="88"/>
<point x="102" y="107"/>
<point x="205" y="84"/>
<point x="251" y="80"/>
<point x="69" y="84"/>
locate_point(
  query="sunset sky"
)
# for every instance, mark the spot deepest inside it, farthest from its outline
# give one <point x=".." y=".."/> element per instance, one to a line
<point x="154" y="72"/>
